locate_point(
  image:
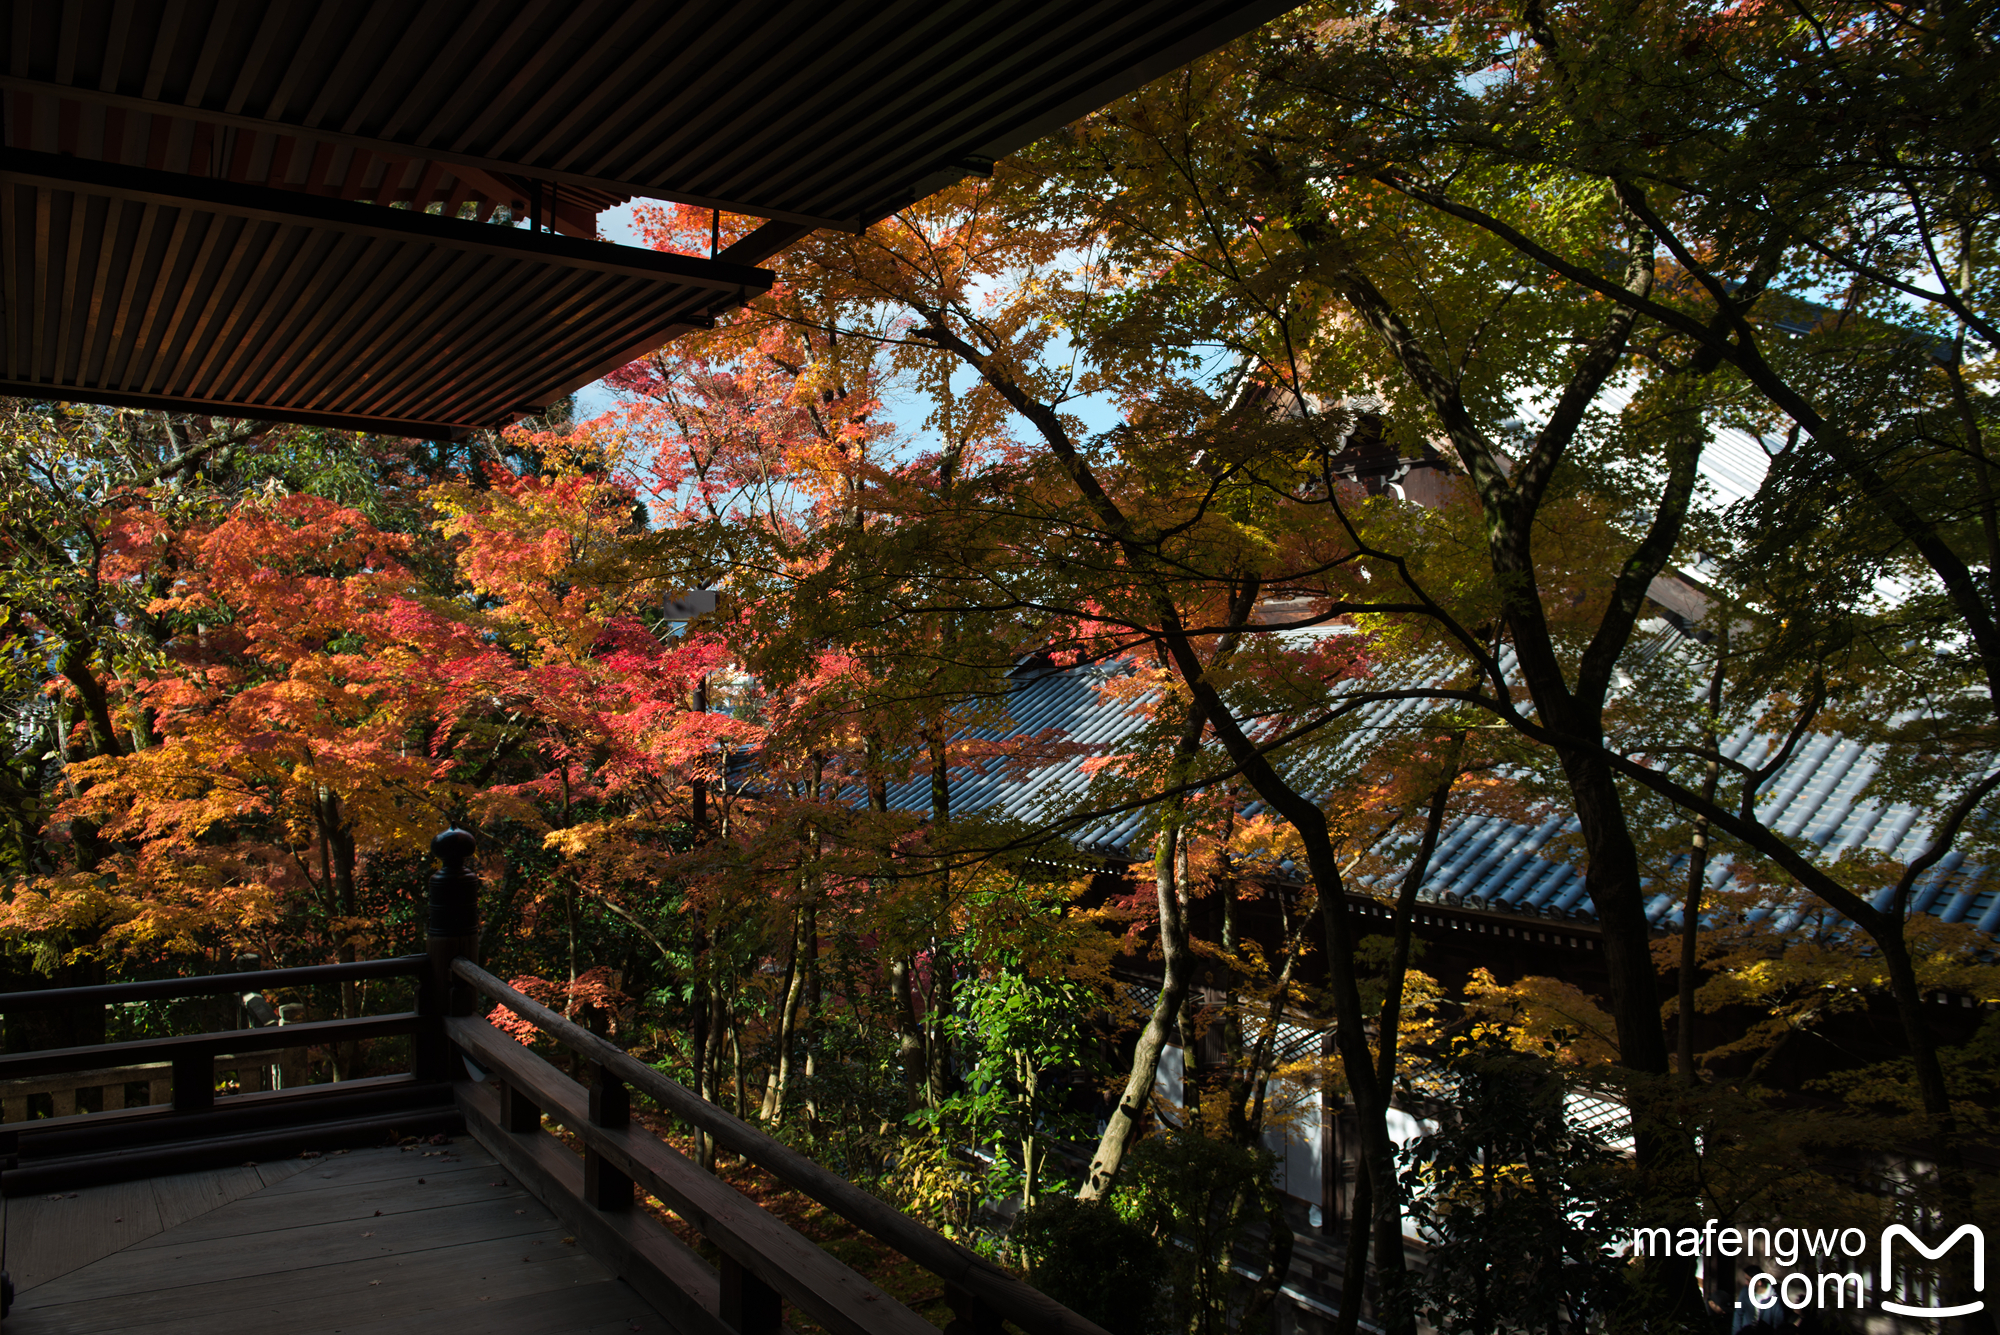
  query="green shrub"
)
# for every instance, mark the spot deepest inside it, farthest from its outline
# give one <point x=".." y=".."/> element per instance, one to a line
<point x="1095" y="1263"/>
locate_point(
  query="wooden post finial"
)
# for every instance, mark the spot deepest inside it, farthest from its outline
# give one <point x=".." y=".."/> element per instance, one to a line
<point x="454" y="916"/>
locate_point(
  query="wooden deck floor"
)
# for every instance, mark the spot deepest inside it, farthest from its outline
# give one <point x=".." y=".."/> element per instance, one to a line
<point x="432" y="1239"/>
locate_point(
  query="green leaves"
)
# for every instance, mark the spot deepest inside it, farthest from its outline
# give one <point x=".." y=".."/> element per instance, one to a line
<point x="1521" y="1209"/>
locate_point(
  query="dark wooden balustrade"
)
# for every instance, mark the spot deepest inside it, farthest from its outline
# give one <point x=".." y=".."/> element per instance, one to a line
<point x="196" y="1128"/>
<point x="764" y="1262"/>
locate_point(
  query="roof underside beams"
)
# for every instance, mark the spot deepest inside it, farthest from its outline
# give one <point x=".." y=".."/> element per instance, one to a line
<point x="138" y="287"/>
<point x="221" y="205"/>
<point x="811" y="111"/>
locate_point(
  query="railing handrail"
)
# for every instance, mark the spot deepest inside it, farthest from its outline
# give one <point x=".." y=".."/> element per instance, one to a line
<point x="1026" y="1306"/>
<point x="267" y="1038"/>
<point x="255" y="980"/>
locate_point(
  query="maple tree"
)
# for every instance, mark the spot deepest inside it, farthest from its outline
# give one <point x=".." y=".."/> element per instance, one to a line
<point x="1095" y="547"/>
<point x="1087" y="552"/>
<point x="1278" y="191"/>
<point x="1683" y="135"/>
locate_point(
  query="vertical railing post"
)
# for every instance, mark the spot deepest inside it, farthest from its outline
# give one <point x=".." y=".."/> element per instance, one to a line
<point x="453" y="931"/>
<point x="430" y="1052"/>
<point x="194" y="1081"/>
<point x="610" y="1106"/>
<point x="517" y="1111"/>
<point x="969" y="1316"/>
<point x="749" y="1306"/>
<point x="293" y="1063"/>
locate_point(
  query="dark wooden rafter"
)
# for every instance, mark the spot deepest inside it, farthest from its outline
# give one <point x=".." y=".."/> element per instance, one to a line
<point x="174" y="189"/>
<point x="793" y="110"/>
<point x="193" y="196"/>
<point x="496" y="180"/>
<point x="354" y="307"/>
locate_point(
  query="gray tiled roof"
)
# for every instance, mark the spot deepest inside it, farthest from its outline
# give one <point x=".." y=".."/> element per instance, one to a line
<point x="1482" y="860"/>
<point x="1071" y="704"/>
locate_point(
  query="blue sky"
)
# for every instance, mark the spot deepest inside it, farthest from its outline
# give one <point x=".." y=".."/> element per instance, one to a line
<point x="905" y="410"/>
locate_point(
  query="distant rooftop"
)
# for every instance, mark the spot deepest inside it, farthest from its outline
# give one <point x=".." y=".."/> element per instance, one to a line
<point x="1481" y="861"/>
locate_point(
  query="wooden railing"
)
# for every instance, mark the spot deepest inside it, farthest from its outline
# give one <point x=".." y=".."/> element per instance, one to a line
<point x="111" y="1082"/>
<point x="250" y="1066"/>
<point x="183" y="1124"/>
<point x="191" y="1057"/>
<point x="764" y="1262"/>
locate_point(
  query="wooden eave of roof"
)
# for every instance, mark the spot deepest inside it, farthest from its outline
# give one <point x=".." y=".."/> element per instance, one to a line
<point x="157" y="289"/>
<point x="805" y="113"/>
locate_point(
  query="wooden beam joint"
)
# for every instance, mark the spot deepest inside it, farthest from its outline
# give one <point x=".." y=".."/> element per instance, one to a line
<point x="604" y="1186"/>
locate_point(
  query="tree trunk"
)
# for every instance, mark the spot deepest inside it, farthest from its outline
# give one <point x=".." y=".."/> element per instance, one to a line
<point x="1250" y="1078"/>
<point x="336" y="845"/>
<point x="736" y="1064"/>
<point x="1176" y="959"/>
<point x="1277" y="1258"/>
<point x="699" y="1041"/>
<point x="781" y="1074"/>
<point x="1957" y="1201"/>
<point x="909" y="1036"/>
<point x="1612" y="881"/>
<point x="698" y="785"/>
<point x="1030" y="1158"/>
<point x="73" y="662"/>
<point x="1696" y="882"/>
<point x="711" y="1069"/>
<point x="1354" y="1255"/>
<point x="937" y="1050"/>
<point x="784" y="999"/>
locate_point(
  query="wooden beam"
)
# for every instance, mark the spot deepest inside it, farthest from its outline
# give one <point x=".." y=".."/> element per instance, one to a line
<point x="832" y="1294"/>
<point x="216" y="984"/>
<point x="394" y="149"/>
<point x="758" y="246"/>
<point x="289" y="207"/>
<point x="167" y="403"/>
<point x="186" y="1156"/>
<point x="988" y="1284"/>
<point x="84" y="1134"/>
<point x="314" y="1033"/>
<point x="666" y="1272"/>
